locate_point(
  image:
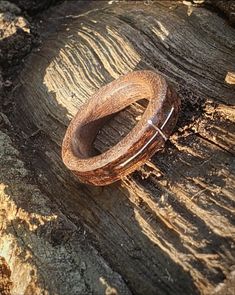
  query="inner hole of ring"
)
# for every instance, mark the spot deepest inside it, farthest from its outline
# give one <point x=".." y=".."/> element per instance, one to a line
<point x="100" y="135"/>
<point x="119" y="125"/>
<point x="130" y="101"/>
<point x="116" y="126"/>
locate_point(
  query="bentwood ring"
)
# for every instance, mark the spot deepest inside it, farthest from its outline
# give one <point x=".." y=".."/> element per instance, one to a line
<point x="148" y="135"/>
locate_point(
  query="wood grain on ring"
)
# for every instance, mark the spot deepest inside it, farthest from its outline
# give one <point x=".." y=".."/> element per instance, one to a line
<point x="138" y="146"/>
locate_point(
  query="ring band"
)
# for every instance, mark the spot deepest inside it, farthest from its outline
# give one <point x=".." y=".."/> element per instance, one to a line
<point x="148" y="135"/>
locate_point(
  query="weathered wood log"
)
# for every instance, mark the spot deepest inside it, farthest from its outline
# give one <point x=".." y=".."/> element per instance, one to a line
<point x="227" y="7"/>
<point x="168" y="228"/>
<point x="41" y="250"/>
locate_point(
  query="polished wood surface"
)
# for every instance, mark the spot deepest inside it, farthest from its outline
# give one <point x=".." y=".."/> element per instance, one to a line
<point x="138" y="145"/>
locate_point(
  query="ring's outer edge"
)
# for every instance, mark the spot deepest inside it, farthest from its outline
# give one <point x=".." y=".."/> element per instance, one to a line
<point x="113" y="171"/>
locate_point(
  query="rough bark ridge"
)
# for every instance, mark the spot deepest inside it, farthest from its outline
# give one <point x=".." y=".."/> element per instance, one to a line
<point x="168" y="228"/>
<point x="44" y="252"/>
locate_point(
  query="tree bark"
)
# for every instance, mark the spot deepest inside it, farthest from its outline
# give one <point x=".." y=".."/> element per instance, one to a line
<point x="169" y="227"/>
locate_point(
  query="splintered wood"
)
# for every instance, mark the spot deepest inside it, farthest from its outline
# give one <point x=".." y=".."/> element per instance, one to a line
<point x="169" y="227"/>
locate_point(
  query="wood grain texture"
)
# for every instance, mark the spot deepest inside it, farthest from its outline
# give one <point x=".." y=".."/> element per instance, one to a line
<point x="132" y="151"/>
<point x="44" y="252"/>
<point x="168" y="228"/>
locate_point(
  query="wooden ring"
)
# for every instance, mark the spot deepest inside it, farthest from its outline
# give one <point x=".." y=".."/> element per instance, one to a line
<point x="148" y="135"/>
